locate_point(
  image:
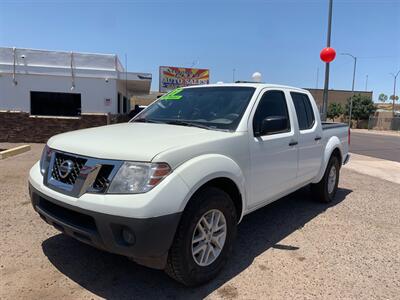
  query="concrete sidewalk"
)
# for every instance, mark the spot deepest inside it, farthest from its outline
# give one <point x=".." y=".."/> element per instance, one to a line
<point x="376" y="167"/>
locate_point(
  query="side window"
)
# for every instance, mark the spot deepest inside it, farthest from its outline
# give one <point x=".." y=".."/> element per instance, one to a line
<point x="309" y="110"/>
<point x="304" y="111"/>
<point x="272" y="115"/>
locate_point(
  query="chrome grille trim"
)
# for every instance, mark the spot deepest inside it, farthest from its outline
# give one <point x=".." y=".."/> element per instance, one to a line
<point x="102" y="180"/>
<point x="86" y="175"/>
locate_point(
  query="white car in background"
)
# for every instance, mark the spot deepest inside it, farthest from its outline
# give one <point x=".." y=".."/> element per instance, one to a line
<point x="169" y="188"/>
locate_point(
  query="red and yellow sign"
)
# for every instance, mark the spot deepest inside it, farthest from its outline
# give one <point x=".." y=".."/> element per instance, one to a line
<point x="173" y="77"/>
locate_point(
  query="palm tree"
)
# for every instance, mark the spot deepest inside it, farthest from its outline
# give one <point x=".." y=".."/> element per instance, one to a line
<point x="382" y="97"/>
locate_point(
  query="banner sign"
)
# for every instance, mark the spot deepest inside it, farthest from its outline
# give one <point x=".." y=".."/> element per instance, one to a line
<point x="173" y="77"/>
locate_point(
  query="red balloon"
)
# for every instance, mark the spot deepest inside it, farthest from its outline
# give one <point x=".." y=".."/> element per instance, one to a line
<point x="327" y="54"/>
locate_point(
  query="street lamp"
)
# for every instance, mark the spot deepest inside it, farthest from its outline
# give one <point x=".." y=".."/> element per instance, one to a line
<point x="352" y="86"/>
<point x="394" y="87"/>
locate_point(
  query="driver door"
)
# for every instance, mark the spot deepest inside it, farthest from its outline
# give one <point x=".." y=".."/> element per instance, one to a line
<point x="273" y="153"/>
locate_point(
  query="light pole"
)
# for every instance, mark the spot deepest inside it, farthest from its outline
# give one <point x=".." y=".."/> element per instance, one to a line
<point x="352" y="86"/>
<point x="233" y="75"/>
<point x="328" y="45"/>
<point x="394" y="87"/>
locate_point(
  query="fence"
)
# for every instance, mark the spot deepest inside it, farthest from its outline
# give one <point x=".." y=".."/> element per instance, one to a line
<point x="380" y="123"/>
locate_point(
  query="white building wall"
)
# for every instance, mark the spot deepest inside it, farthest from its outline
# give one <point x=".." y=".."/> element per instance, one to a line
<point x="97" y="77"/>
<point x="60" y="59"/>
<point x="93" y="91"/>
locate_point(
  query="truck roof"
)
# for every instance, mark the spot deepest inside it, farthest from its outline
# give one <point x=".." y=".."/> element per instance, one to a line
<point x="251" y="84"/>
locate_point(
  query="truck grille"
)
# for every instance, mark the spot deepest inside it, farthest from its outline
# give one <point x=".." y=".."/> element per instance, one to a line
<point x="75" y="175"/>
<point x="77" y="165"/>
<point x="102" y="180"/>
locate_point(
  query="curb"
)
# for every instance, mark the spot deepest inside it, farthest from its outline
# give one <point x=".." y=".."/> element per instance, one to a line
<point x="377" y="132"/>
<point x="375" y="167"/>
<point x="14" y="151"/>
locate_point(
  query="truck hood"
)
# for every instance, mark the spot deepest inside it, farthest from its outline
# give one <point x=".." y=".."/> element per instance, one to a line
<point x="131" y="141"/>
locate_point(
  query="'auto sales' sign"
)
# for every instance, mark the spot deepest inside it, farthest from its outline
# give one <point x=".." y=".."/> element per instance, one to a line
<point x="174" y="77"/>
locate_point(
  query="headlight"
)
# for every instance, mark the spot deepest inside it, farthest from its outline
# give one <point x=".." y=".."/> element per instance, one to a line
<point x="45" y="159"/>
<point x="135" y="177"/>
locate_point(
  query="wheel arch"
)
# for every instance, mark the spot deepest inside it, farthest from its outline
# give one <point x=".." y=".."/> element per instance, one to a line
<point x="336" y="152"/>
<point x="228" y="186"/>
<point x="333" y="147"/>
<point x="217" y="171"/>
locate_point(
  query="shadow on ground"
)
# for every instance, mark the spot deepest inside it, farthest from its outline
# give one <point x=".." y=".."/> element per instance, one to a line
<point x="115" y="277"/>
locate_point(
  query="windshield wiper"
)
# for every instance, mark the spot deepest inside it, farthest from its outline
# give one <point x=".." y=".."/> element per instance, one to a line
<point x="144" y="120"/>
<point x="189" y="124"/>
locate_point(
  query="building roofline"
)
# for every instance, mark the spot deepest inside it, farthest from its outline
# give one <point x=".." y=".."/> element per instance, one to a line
<point x="340" y="90"/>
<point x="62" y="51"/>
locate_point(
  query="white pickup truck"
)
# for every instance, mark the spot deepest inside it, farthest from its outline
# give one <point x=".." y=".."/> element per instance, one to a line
<point x="169" y="188"/>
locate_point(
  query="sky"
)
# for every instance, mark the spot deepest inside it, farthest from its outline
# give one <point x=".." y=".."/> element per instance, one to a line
<point x="281" y="39"/>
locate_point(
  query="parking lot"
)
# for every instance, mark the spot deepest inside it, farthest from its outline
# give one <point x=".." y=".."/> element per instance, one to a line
<point x="293" y="248"/>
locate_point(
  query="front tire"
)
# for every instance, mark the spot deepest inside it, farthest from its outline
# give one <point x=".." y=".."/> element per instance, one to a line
<point x="325" y="190"/>
<point x="204" y="238"/>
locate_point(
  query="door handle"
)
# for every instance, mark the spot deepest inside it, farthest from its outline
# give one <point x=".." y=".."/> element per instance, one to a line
<point x="293" y="143"/>
<point x="317" y="138"/>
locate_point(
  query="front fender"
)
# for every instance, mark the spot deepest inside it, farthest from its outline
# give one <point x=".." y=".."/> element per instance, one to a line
<point x="198" y="171"/>
<point x="331" y="145"/>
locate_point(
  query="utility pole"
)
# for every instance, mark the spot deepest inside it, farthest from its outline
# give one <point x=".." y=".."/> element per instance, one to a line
<point x="366" y="83"/>
<point x="233" y="75"/>
<point x="394" y="87"/>
<point x="326" y="84"/>
<point x="125" y="105"/>
<point x="352" y="85"/>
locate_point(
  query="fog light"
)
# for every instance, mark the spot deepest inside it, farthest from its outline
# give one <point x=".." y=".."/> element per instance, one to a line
<point x="128" y="236"/>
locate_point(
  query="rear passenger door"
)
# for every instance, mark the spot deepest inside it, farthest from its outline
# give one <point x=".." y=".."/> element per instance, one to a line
<point x="310" y="137"/>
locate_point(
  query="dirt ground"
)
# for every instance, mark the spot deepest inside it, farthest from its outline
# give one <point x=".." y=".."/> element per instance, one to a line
<point x="293" y="248"/>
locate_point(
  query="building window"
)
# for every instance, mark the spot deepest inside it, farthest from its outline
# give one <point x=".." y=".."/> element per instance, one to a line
<point x="125" y="105"/>
<point x="119" y="103"/>
<point x="55" y="104"/>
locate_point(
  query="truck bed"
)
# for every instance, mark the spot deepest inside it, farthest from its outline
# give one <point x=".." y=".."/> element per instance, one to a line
<point x="329" y="125"/>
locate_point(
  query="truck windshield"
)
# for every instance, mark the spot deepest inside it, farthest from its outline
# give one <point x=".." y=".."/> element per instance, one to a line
<point x="219" y="108"/>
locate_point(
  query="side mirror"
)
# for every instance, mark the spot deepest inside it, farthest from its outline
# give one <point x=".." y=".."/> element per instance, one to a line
<point x="273" y="124"/>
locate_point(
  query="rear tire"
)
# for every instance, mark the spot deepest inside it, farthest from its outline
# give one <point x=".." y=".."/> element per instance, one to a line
<point x="325" y="190"/>
<point x="184" y="263"/>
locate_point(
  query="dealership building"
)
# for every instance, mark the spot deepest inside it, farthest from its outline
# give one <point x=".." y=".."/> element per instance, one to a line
<point x="43" y="93"/>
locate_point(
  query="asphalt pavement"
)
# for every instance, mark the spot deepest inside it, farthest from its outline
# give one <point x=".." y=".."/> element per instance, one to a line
<point x="376" y="145"/>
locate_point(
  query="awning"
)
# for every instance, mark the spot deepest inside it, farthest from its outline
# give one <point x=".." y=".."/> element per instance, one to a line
<point x="136" y="83"/>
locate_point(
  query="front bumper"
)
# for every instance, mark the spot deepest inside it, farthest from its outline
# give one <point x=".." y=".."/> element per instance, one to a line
<point x="146" y="241"/>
